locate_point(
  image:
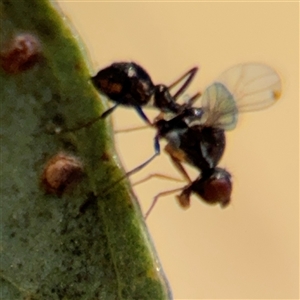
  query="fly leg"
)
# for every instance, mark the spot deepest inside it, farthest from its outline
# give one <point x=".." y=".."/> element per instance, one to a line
<point x="165" y="193"/>
<point x="157" y="175"/>
<point x="131" y="129"/>
<point x="184" y="200"/>
<point x="109" y="111"/>
<point x="144" y="164"/>
<point x="176" y="160"/>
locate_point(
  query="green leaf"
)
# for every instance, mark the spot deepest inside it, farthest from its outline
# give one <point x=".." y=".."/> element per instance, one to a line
<point x="67" y="230"/>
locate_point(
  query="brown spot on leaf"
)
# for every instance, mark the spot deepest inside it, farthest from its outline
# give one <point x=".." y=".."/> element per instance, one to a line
<point x="61" y="173"/>
<point x="105" y="156"/>
<point x="20" y="53"/>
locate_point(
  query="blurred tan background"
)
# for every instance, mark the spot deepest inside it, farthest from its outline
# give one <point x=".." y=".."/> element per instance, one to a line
<point x="249" y="250"/>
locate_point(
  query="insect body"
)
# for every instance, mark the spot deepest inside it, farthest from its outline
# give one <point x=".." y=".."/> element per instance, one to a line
<point x="128" y="84"/>
<point x="196" y="136"/>
<point x="200" y="145"/>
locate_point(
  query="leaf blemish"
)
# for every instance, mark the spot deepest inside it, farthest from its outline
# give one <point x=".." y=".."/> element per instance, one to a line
<point x="61" y="173"/>
<point x="20" y="53"/>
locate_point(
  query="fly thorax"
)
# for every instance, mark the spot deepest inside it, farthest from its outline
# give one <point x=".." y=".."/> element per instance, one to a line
<point x="194" y="116"/>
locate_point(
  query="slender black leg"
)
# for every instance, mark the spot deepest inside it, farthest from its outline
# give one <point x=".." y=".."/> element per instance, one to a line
<point x="165" y="193"/>
<point x="190" y="75"/>
<point x="142" y="114"/>
<point x="157" y="175"/>
<point x="104" y="115"/>
<point x="109" y="111"/>
<point x="192" y="100"/>
<point x="131" y="129"/>
<point x="156" y="153"/>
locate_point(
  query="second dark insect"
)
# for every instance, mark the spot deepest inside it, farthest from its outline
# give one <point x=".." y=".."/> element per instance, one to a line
<point x="128" y="84"/>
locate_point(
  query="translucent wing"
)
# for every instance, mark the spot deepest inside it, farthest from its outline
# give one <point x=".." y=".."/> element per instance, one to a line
<point x="219" y="107"/>
<point x="242" y="88"/>
<point x="254" y="86"/>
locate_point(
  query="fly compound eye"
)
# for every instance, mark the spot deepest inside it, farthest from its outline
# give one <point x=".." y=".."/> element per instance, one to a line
<point x="216" y="189"/>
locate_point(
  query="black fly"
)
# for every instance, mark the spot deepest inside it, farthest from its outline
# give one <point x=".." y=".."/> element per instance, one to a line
<point x="196" y="136"/>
